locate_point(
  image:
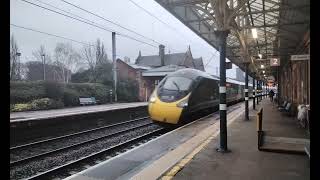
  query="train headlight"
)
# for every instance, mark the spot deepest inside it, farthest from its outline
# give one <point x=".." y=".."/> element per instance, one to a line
<point x="183" y="103"/>
<point x="152" y="98"/>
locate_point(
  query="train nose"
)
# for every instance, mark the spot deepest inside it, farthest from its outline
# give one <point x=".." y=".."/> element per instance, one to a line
<point x="164" y="112"/>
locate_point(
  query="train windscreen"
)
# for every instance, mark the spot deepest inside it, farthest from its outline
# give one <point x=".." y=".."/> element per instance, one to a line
<point x="174" y="88"/>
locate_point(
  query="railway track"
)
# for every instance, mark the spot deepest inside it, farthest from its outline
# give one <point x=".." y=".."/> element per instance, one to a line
<point x="48" y="144"/>
<point x="30" y="161"/>
<point x="79" y="164"/>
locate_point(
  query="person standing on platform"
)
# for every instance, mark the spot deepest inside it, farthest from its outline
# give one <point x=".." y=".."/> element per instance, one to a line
<point x="271" y="94"/>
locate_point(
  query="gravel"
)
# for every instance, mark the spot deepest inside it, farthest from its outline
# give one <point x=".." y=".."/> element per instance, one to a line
<point x="58" y="159"/>
<point x="68" y="141"/>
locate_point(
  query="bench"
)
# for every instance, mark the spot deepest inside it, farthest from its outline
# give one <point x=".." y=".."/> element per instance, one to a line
<point x="87" y="101"/>
<point x="307" y="149"/>
<point x="283" y="105"/>
<point x="287" y="109"/>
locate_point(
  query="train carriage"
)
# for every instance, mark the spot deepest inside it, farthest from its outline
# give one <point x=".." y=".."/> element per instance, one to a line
<point x="188" y="91"/>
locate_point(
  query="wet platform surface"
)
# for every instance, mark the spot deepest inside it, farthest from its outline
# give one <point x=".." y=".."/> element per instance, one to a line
<point x="245" y="161"/>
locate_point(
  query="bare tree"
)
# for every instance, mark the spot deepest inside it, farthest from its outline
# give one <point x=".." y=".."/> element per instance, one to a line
<point x="44" y="57"/>
<point x="14" y="60"/>
<point x="67" y="59"/>
<point x="38" y="54"/>
<point x="23" y="71"/>
<point x="95" y="57"/>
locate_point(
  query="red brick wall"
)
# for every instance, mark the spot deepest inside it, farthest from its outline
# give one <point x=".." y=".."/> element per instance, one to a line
<point x="146" y="85"/>
<point x="125" y="71"/>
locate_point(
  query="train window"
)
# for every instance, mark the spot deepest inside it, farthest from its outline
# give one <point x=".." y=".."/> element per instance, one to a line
<point x="177" y="83"/>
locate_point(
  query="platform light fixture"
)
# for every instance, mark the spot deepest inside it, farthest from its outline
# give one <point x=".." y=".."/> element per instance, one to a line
<point x="263" y="72"/>
<point x="260" y="56"/>
<point x="262" y="66"/>
<point x="254" y="33"/>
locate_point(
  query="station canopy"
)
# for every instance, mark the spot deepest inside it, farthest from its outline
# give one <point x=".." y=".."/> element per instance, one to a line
<point x="280" y="27"/>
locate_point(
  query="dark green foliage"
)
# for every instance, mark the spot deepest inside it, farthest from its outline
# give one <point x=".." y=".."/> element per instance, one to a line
<point x="53" y="90"/>
<point x="50" y="95"/>
<point x="81" y="77"/>
<point x="23" y="92"/>
<point x="70" y="97"/>
<point x="99" y="91"/>
<point x="101" y="74"/>
<point x="46" y="103"/>
<point x="38" y="104"/>
<point x="128" y="91"/>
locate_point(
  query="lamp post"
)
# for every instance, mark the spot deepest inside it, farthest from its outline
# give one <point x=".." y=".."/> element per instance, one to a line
<point x="44" y="66"/>
<point x="17" y="64"/>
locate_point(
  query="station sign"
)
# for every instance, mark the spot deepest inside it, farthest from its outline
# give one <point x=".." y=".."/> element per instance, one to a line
<point x="300" y="57"/>
<point x="274" y="62"/>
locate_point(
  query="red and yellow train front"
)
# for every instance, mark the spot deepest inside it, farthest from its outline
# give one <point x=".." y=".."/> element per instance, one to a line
<point x="168" y="100"/>
<point x="166" y="112"/>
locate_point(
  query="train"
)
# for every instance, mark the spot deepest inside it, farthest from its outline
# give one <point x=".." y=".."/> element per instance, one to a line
<point x="188" y="91"/>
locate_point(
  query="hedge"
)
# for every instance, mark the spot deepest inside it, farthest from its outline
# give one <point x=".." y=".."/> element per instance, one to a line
<point x="67" y="94"/>
<point x="38" y="104"/>
<point x="23" y="92"/>
<point x="127" y="91"/>
<point x="99" y="91"/>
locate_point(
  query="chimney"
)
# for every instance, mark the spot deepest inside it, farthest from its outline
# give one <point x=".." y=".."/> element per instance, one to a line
<point x="161" y="54"/>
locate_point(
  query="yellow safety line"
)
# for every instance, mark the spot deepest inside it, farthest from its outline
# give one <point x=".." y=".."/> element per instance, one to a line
<point x="180" y="165"/>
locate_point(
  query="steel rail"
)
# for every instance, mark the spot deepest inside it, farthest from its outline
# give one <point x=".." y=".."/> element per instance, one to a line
<point x="25" y="160"/>
<point x="74" y="134"/>
<point x="55" y="170"/>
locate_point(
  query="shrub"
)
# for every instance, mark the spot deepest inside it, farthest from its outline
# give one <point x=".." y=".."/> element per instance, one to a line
<point x="68" y="94"/>
<point x="128" y="91"/>
<point x="70" y="97"/>
<point x="53" y="90"/>
<point x="38" y="104"/>
<point x="45" y="103"/>
<point x="23" y="92"/>
<point x="21" y="107"/>
<point x="56" y="104"/>
<point x="99" y="91"/>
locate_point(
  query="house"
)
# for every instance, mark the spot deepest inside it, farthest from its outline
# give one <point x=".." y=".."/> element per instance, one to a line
<point x="180" y="59"/>
<point x="148" y="71"/>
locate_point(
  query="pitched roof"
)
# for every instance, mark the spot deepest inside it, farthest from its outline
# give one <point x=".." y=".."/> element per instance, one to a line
<point x="135" y="66"/>
<point x="169" y="59"/>
<point x="175" y="59"/>
<point x="198" y="63"/>
<point x="162" y="71"/>
<point x="149" y="60"/>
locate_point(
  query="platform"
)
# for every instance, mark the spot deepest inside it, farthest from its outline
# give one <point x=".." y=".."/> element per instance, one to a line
<point x="245" y="161"/>
<point x="43" y="114"/>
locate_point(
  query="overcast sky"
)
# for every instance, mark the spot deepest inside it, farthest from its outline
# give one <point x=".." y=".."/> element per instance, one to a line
<point x="174" y="35"/>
